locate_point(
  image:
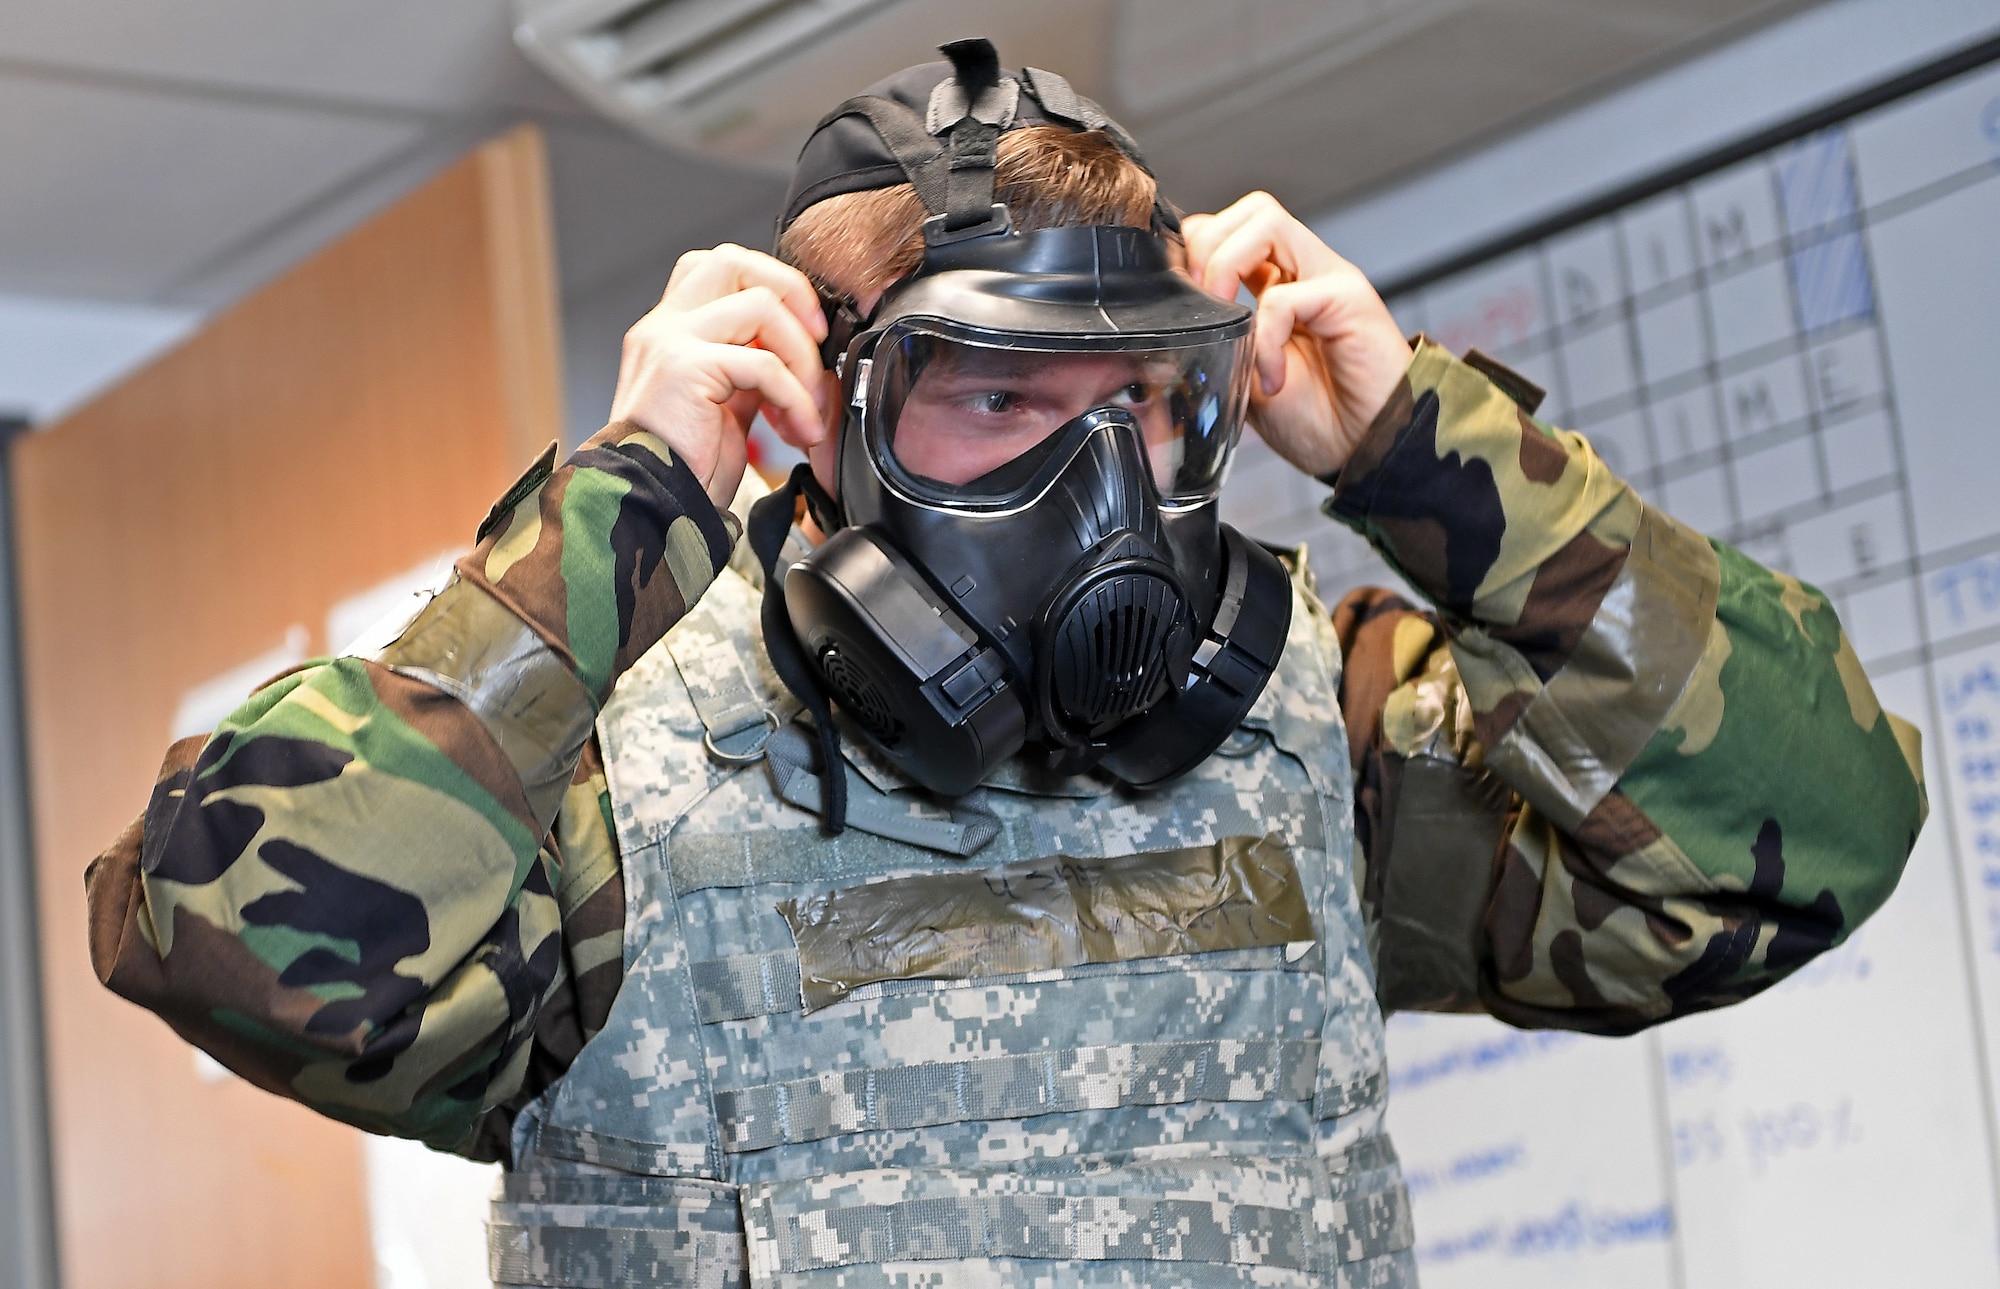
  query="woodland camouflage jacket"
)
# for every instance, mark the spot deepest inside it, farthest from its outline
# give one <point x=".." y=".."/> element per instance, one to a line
<point x="1613" y="773"/>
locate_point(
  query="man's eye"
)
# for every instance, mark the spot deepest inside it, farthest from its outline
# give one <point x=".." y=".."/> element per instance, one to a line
<point x="1133" y="394"/>
<point x="996" y="401"/>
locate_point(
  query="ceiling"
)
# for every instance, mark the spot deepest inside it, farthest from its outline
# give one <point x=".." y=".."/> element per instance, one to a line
<point x="1311" y="98"/>
<point x="175" y="153"/>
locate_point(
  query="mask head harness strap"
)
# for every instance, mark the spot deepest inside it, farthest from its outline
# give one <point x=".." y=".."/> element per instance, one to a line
<point x="938" y="127"/>
<point x="770" y="521"/>
<point x="968" y="110"/>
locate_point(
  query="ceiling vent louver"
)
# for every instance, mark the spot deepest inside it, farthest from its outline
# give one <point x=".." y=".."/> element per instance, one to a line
<point x="668" y="67"/>
<point x="1300" y="96"/>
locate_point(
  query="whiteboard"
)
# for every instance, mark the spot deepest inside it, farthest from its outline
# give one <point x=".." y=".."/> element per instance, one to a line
<point x="1798" y="352"/>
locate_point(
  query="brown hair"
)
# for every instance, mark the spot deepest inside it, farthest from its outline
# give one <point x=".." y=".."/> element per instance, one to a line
<point x="854" y="244"/>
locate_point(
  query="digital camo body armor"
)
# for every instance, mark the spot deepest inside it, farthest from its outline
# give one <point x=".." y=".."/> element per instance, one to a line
<point x="1065" y="1096"/>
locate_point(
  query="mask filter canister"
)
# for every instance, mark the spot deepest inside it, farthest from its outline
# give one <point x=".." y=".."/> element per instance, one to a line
<point x="902" y="663"/>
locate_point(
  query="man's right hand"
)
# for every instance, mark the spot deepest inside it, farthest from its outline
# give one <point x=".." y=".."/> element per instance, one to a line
<point x="737" y="332"/>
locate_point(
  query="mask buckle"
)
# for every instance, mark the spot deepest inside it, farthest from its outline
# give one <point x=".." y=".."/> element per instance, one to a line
<point x="999" y="222"/>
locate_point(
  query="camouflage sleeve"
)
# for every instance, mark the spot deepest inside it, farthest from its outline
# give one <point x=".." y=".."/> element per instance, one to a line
<point x="590" y="903"/>
<point x="351" y="893"/>
<point x="1619" y="772"/>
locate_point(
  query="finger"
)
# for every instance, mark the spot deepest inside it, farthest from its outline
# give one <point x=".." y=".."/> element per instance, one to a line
<point x="1195" y="240"/>
<point x="705" y="276"/>
<point x="788" y="404"/>
<point x="682" y="267"/>
<point x="1282" y="311"/>
<point x="1270" y="234"/>
<point x="829" y="394"/>
<point x="1243" y="255"/>
<point x="1206" y="232"/>
<point x="743" y="407"/>
<point x="1331" y="308"/>
<point x="757" y="316"/>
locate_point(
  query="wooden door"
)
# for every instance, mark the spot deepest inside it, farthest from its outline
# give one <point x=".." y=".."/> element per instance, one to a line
<point x="344" y="423"/>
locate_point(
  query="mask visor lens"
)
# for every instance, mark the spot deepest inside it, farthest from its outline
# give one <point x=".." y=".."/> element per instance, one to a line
<point x="981" y="419"/>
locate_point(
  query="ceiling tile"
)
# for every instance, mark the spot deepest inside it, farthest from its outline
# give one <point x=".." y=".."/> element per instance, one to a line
<point x="1468" y="75"/>
<point x="431" y="55"/>
<point x="179" y="151"/>
<point x="115" y="195"/>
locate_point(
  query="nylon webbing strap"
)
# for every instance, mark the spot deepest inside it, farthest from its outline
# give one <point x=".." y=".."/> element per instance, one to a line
<point x="746" y="985"/>
<point x="942" y="146"/>
<point x="1092" y="1228"/>
<point x="1015" y="1087"/>
<point x="1345" y="1098"/>
<point x="948" y="156"/>
<point x="685" y="1195"/>
<point x="702" y="861"/>
<point x="665" y="1158"/>
<point x="973" y="151"/>
<point x="1059" y="99"/>
<point x="738" y="714"/>
<point x="767" y="984"/>
<point x="912" y="145"/>
<point x="959" y="830"/>
<point x="770" y="524"/>
<point x="613" y="1257"/>
<point x="1054" y="92"/>
<point x="606" y="1231"/>
<point x="972" y="141"/>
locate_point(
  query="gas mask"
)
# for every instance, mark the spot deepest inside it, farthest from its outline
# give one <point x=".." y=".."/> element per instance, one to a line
<point x="1025" y="551"/>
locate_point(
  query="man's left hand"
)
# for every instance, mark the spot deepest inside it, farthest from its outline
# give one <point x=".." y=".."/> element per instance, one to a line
<point x="1328" y="354"/>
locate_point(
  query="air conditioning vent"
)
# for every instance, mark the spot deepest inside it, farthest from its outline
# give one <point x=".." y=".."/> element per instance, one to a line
<point x="669" y="66"/>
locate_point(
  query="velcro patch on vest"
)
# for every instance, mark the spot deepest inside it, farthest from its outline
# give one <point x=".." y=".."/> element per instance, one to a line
<point x="1046" y="914"/>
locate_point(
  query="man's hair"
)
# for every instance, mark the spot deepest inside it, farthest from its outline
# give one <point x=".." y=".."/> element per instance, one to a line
<point x="857" y="243"/>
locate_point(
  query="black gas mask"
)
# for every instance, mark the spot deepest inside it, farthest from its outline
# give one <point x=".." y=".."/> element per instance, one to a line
<point x="1025" y="551"/>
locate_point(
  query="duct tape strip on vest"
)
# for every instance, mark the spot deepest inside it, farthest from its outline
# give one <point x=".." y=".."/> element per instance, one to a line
<point x="1047" y="914"/>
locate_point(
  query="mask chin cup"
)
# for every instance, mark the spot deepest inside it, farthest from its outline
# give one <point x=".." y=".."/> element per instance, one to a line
<point x="902" y="663"/>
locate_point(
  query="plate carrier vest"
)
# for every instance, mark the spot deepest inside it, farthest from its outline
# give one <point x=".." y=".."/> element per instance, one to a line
<point x="1198" y="1119"/>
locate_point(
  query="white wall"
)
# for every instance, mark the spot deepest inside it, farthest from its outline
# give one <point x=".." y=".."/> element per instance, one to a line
<point x="54" y="354"/>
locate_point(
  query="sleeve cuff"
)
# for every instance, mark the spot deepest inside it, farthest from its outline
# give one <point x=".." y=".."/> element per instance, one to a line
<point x="1467" y="495"/>
<point x="1577" y="613"/>
<point x="602" y="556"/>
